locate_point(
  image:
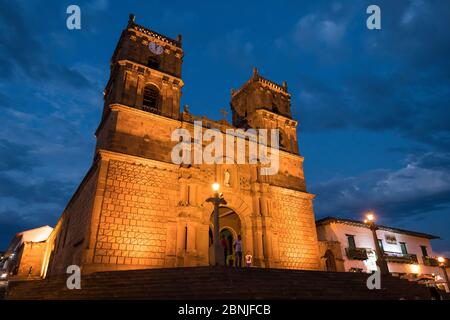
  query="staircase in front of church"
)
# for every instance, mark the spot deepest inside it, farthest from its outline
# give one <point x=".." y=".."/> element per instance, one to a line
<point x="219" y="283"/>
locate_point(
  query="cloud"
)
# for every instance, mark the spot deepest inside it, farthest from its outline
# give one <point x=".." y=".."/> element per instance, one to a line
<point x="49" y="110"/>
<point x="420" y="187"/>
<point x="25" y="191"/>
<point x="431" y="160"/>
<point x="235" y="47"/>
<point x="22" y="52"/>
<point x="98" y="5"/>
<point x="417" y="110"/>
<point x="15" y="156"/>
<point x="9" y="226"/>
<point x="14" y="221"/>
<point x="396" y="79"/>
<point x="320" y="34"/>
<point x="411" y="12"/>
<point x="315" y="30"/>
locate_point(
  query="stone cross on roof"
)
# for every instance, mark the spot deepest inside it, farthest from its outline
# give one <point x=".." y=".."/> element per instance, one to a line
<point x="224" y="113"/>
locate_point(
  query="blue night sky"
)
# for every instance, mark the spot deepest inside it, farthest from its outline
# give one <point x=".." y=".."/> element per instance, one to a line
<point x="373" y="105"/>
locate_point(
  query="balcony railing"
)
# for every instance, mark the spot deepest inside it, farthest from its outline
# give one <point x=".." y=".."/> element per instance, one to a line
<point x="400" y="257"/>
<point x="356" y="253"/>
<point x="433" y="262"/>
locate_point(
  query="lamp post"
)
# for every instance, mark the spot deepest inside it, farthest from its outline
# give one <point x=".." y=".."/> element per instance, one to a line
<point x="381" y="262"/>
<point x="441" y="261"/>
<point x="217" y="200"/>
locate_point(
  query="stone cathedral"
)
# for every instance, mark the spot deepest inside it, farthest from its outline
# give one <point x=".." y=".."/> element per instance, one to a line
<point x="136" y="209"/>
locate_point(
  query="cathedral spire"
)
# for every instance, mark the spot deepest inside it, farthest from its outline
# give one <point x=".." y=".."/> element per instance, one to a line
<point x="255" y="72"/>
<point x="131" y="18"/>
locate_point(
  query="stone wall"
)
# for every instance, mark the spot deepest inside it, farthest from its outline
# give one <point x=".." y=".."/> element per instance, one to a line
<point x="75" y="222"/>
<point x="31" y="259"/>
<point x="137" y="202"/>
<point x="335" y="248"/>
<point x="141" y="213"/>
<point x="295" y="224"/>
<point x="137" y="133"/>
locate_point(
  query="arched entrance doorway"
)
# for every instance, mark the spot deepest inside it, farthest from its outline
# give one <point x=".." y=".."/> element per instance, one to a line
<point x="330" y="262"/>
<point x="230" y="228"/>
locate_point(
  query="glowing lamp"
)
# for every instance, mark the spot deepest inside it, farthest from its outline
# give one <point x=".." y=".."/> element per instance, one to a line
<point x="370" y="217"/>
<point x="415" y="268"/>
<point x="215" y="186"/>
<point x="441" y="259"/>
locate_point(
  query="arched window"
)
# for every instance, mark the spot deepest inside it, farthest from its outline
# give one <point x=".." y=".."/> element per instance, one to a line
<point x="150" y="101"/>
<point x="275" y="108"/>
<point x="282" y="138"/>
<point x="330" y="262"/>
<point x="153" y="62"/>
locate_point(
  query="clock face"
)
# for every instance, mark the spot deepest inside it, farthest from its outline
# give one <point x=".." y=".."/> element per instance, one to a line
<point x="155" y="48"/>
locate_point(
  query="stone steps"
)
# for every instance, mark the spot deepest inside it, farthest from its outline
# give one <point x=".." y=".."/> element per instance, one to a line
<point x="219" y="283"/>
<point x="3" y="288"/>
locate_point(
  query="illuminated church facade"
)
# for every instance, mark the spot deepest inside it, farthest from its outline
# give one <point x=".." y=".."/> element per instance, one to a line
<point x="136" y="209"/>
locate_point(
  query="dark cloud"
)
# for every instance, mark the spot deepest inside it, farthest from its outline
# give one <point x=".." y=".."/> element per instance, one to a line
<point x="405" y="150"/>
<point x="9" y="226"/>
<point x="4" y="101"/>
<point x="432" y="160"/>
<point x="15" y="156"/>
<point x="14" y="221"/>
<point x="400" y="75"/>
<point x="21" y="50"/>
<point x="420" y="187"/>
<point x="28" y="203"/>
<point x="46" y="124"/>
<point x="25" y="191"/>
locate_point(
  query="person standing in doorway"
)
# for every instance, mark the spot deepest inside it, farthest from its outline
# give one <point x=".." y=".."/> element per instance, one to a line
<point x="223" y="243"/>
<point x="238" y="251"/>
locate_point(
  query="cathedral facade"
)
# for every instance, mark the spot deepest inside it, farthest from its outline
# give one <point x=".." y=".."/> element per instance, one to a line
<point x="137" y="209"/>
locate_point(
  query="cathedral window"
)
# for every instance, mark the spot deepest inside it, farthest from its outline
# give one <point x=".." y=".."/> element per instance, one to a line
<point x="151" y="98"/>
<point x="153" y="62"/>
<point x="282" y="139"/>
<point x="275" y="108"/>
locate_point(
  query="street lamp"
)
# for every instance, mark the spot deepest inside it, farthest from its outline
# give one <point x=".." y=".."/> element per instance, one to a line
<point x="442" y="264"/>
<point x="381" y="262"/>
<point x="217" y="200"/>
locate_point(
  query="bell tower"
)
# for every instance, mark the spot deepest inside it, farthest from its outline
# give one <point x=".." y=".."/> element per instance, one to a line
<point x="145" y="72"/>
<point x="263" y="104"/>
<point x="142" y="96"/>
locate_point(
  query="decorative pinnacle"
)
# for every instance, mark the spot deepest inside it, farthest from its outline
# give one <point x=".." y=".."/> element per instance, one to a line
<point x="285" y="84"/>
<point x="255" y="71"/>
<point x="179" y="38"/>
<point x="131" y="18"/>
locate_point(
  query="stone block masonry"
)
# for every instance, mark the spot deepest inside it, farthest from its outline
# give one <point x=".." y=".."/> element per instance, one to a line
<point x="294" y="222"/>
<point x="136" y="205"/>
<point x="70" y="233"/>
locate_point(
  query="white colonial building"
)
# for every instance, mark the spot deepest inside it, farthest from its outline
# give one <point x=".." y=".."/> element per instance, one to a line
<point x="348" y="245"/>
